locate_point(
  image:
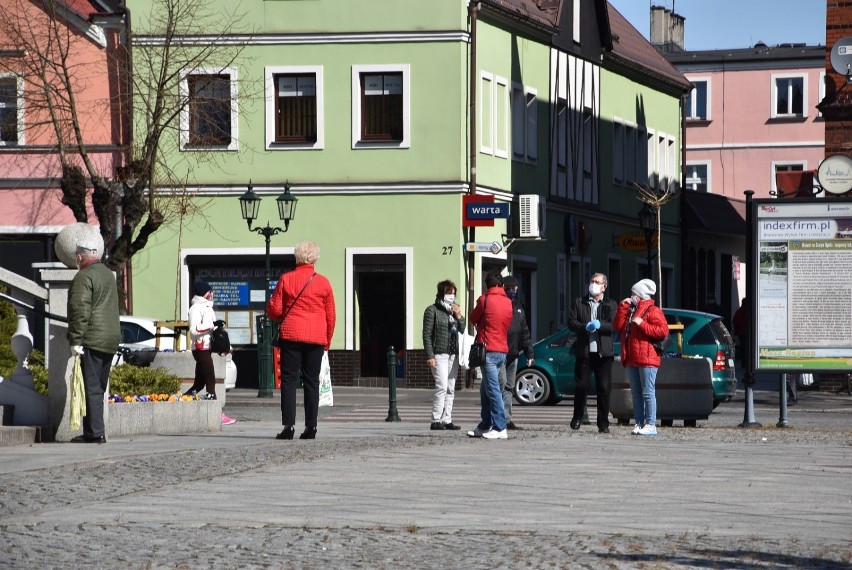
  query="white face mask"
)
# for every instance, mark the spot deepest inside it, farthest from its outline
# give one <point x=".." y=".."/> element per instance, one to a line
<point x="595" y="289"/>
<point x="448" y="301"/>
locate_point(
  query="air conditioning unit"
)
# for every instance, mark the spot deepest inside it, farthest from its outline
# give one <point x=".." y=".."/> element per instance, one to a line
<point x="529" y="225"/>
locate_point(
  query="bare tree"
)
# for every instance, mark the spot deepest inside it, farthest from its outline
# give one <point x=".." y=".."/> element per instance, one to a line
<point x="135" y="184"/>
<point x="656" y="199"/>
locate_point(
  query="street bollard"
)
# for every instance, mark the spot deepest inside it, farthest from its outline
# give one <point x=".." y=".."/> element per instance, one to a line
<point x="782" y="403"/>
<point x="393" y="416"/>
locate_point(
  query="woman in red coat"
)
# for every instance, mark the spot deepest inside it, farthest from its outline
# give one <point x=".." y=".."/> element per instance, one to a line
<point x="640" y="322"/>
<point x="304" y="303"/>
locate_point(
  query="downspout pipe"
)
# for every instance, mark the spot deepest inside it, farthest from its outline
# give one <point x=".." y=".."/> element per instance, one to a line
<point x="473" y="11"/>
<point x="684" y="230"/>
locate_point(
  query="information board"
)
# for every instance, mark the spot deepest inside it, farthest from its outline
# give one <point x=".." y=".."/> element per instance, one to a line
<point x="804" y="292"/>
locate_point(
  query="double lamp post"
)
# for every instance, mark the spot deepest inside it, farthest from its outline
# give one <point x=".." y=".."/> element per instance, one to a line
<point x="648" y="223"/>
<point x="250" y="206"/>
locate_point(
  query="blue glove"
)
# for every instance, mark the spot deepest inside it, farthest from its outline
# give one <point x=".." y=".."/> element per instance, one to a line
<point x="597" y="324"/>
<point x="590" y="326"/>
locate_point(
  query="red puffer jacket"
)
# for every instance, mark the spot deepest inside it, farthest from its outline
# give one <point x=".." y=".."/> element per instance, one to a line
<point x="312" y="317"/>
<point x="636" y="347"/>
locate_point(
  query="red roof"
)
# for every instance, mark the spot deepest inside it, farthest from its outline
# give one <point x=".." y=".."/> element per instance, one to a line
<point x="633" y="49"/>
<point x="544" y="12"/>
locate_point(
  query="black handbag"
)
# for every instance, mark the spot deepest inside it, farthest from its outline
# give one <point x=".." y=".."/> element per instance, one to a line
<point x="477" y="355"/>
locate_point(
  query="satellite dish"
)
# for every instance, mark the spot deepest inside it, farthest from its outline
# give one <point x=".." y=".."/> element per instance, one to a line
<point x="835" y="174"/>
<point x="841" y="56"/>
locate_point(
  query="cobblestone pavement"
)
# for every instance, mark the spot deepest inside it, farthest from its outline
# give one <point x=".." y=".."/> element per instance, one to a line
<point x="390" y="495"/>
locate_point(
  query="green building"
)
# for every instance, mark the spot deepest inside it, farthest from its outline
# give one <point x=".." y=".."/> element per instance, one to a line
<point x="381" y="116"/>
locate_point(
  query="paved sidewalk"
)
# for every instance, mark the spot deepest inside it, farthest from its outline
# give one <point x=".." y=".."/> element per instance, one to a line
<point x="374" y="494"/>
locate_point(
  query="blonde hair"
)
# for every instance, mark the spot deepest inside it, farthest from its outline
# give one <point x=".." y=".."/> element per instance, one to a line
<point x="307" y="252"/>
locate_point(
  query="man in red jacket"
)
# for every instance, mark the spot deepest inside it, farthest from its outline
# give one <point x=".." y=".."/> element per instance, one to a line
<point x="640" y="323"/>
<point x="492" y="317"/>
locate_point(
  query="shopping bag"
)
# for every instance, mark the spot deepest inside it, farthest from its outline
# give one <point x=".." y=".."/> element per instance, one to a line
<point x="806" y="379"/>
<point x="326" y="396"/>
<point x="78" y="395"/>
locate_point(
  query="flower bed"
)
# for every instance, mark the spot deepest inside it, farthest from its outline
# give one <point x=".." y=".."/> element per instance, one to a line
<point x="193" y="415"/>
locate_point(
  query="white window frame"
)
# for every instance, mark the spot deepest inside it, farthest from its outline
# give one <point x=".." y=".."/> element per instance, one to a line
<point x="821" y="90"/>
<point x="576" y="22"/>
<point x="618" y="130"/>
<point x="774" y="99"/>
<point x="351" y="315"/>
<point x="494" y="129"/>
<point x="671" y="159"/>
<point x="269" y="85"/>
<point x="705" y="163"/>
<point x="651" y="155"/>
<point x="184" y="111"/>
<point x="486" y="92"/>
<point x="502" y="113"/>
<point x="524" y="123"/>
<point x="19" y="83"/>
<point x="357" y="70"/>
<point x="629" y="153"/>
<point x="691" y="112"/>
<point x="774" y="169"/>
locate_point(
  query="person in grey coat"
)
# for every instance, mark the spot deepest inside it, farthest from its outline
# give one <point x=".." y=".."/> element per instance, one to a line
<point x="442" y="321"/>
<point x="93" y="332"/>
<point x="519" y="341"/>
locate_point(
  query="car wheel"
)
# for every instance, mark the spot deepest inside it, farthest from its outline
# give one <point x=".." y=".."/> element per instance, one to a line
<point x="689" y="423"/>
<point x="667" y="423"/>
<point x="716" y="402"/>
<point x="532" y="388"/>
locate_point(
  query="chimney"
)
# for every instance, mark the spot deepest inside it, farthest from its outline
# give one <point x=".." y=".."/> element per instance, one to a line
<point x="666" y="29"/>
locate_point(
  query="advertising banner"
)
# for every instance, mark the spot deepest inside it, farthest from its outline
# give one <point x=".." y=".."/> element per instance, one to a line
<point x="804" y="284"/>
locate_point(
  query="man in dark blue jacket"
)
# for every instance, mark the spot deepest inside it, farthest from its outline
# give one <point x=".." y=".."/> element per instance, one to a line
<point x="591" y="318"/>
<point x="519" y="340"/>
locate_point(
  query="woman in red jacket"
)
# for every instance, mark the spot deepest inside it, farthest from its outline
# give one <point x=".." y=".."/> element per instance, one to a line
<point x="304" y="303"/>
<point x="641" y="322"/>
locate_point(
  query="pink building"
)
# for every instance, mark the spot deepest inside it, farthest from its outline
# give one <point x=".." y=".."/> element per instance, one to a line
<point x="751" y="114"/>
<point x="31" y="212"/>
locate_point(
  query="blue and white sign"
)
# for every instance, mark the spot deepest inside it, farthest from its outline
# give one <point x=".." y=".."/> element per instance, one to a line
<point x="487" y="211"/>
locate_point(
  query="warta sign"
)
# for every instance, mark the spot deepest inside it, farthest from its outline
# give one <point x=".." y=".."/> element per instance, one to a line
<point x="481" y="210"/>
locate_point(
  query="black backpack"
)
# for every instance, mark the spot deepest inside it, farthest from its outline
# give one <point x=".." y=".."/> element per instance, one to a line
<point x="219" y="341"/>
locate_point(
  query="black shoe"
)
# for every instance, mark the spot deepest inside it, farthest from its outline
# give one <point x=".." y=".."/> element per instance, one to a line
<point x="88" y="439"/>
<point x="603" y="430"/>
<point x="309" y="433"/>
<point x="452" y="427"/>
<point x="511" y="425"/>
<point x="792" y="402"/>
<point x="286" y="433"/>
<point x="190" y="392"/>
<point x="575" y="424"/>
<point x="436" y="426"/>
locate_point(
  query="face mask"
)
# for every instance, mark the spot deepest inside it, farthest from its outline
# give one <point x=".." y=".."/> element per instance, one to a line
<point x="595" y="289"/>
<point x="634" y="300"/>
<point x="448" y="301"/>
<point x="510" y="293"/>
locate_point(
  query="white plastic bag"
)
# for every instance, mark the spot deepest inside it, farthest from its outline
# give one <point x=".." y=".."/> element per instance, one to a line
<point x="326" y="396"/>
<point x="806" y="379"/>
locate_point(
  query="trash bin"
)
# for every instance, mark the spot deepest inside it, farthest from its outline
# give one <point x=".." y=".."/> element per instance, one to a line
<point x="684" y="391"/>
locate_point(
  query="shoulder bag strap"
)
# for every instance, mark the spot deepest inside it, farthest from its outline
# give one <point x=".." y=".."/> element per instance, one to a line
<point x="297" y="296"/>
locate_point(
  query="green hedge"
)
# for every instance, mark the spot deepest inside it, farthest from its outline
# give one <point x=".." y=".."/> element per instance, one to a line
<point x="129" y="380"/>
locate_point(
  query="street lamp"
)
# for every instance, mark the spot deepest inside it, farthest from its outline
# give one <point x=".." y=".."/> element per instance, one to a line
<point x="648" y="223"/>
<point x="249" y="206"/>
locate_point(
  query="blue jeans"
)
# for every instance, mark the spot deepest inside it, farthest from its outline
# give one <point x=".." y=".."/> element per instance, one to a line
<point x="490" y="395"/>
<point x="644" y="396"/>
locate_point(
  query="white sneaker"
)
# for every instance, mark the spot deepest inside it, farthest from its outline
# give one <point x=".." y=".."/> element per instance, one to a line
<point x="476" y="432"/>
<point x="649" y="429"/>
<point x="494" y="434"/>
<point x="636" y="430"/>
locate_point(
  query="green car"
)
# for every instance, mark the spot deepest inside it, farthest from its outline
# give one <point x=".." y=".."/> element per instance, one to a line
<point x="551" y="379"/>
